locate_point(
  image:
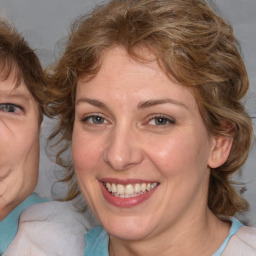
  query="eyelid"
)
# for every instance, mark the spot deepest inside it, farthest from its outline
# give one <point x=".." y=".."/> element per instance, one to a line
<point x="85" y="118"/>
<point x="13" y="105"/>
<point x="171" y="120"/>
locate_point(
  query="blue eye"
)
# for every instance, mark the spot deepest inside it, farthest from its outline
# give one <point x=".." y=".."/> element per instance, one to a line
<point x="10" y="108"/>
<point x="95" y="119"/>
<point x="161" y="121"/>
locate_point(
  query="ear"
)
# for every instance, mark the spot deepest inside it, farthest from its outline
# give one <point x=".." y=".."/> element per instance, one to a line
<point x="221" y="146"/>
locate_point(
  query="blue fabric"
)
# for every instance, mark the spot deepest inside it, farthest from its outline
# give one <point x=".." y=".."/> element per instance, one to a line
<point x="236" y="224"/>
<point x="97" y="240"/>
<point x="9" y="225"/>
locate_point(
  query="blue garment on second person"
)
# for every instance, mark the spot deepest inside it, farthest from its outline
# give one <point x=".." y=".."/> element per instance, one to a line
<point x="9" y="225"/>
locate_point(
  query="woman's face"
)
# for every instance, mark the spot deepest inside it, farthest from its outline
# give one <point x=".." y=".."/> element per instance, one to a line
<point x="19" y="139"/>
<point x="140" y="148"/>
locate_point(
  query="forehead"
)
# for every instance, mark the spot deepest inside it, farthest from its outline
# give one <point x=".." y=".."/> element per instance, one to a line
<point x="118" y="62"/>
<point x="123" y="77"/>
<point x="12" y="84"/>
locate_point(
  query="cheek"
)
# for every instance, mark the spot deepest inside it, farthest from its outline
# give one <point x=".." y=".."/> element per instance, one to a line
<point x="27" y="140"/>
<point x="86" y="153"/>
<point x="18" y="140"/>
<point x="179" y="154"/>
<point x="86" y="157"/>
<point x="20" y="165"/>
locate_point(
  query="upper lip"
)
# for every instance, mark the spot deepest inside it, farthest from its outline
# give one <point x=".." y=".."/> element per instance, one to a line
<point x="126" y="181"/>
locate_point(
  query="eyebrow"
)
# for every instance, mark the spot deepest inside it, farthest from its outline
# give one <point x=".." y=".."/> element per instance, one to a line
<point x="150" y="103"/>
<point x="142" y="105"/>
<point x="93" y="102"/>
<point x="14" y="95"/>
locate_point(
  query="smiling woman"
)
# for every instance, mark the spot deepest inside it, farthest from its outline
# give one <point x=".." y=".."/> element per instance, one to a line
<point x="146" y="125"/>
<point x="149" y="94"/>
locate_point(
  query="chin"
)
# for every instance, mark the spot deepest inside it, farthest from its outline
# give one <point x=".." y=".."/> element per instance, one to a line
<point x="128" y="230"/>
<point x="128" y="235"/>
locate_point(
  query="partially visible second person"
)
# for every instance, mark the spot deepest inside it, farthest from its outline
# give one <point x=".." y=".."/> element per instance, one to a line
<point x="22" y="95"/>
<point x="50" y="228"/>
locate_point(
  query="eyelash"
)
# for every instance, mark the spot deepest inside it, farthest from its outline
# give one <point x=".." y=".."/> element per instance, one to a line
<point x="86" y="119"/>
<point x="102" y="120"/>
<point x="10" y="106"/>
<point x="167" y="120"/>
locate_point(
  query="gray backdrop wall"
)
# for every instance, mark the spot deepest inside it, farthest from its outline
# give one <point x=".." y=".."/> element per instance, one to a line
<point x="45" y="23"/>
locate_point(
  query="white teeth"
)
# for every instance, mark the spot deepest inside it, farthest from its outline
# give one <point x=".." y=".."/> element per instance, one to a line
<point x="153" y="185"/>
<point x="113" y="188"/>
<point x="137" y="188"/>
<point x="120" y="189"/>
<point x="129" y="190"/>
<point x="109" y="187"/>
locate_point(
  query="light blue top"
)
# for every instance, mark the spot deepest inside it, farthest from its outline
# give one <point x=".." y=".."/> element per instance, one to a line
<point x="97" y="240"/>
<point x="9" y="225"/>
<point x="234" y="228"/>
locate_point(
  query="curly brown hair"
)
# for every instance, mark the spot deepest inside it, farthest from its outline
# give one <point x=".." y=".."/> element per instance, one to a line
<point x="194" y="45"/>
<point x="16" y="55"/>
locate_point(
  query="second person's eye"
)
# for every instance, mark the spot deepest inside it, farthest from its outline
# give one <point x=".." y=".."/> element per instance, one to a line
<point x="10" y="108"/>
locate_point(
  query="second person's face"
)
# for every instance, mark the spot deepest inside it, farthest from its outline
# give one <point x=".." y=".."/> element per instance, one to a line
<point x="19" y="144"/>
<point x="140" y="148"/>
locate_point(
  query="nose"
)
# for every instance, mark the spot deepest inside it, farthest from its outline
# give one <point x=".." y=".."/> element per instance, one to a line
<point x="122" y="149"/>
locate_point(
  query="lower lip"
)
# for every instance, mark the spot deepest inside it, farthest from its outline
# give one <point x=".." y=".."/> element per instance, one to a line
<point x="126" y="202"/>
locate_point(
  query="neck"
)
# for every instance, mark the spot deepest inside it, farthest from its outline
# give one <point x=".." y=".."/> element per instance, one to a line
<point x="197" y="236"/>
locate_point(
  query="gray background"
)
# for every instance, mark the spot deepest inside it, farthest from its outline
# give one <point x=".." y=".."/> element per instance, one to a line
<point x="45" y="23"/>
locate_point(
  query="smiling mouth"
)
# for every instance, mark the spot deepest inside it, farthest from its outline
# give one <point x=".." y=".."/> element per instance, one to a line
<point x="129" y="190"/>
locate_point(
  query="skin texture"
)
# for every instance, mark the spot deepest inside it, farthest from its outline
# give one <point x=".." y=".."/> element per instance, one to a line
<point x="19" y="138"/>
<point x="133" y="122"/>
